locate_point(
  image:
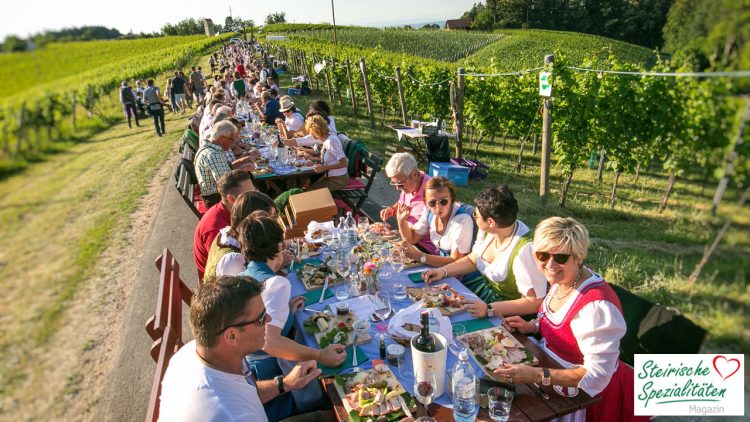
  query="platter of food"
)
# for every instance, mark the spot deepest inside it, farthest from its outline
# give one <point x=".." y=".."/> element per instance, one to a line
<point x="314" y="273"/>
<point x="373" y="395"/>
<point x="333" y="329"/>
<point x="493" y="347"/>
<point x="382" y="231"/>
<point x="441" y="296"/>
<point x="261" y="171"/>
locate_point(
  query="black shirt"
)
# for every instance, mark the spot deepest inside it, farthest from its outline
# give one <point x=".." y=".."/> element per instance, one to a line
<point x="178" y="85"/>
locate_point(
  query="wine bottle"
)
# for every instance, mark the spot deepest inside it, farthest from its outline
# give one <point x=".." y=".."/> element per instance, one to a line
<point x="425" y="342"/>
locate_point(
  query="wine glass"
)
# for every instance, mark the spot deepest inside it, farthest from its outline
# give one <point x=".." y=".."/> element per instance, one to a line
<point x="343" y="264"/>
<point x="382" y="305"/>
<point x="329" y="239"/>
<point x="397" y="259"/>
<point x="363" y="225"/>
<point x="456" y="345"/>
<point x="425" y="383"/>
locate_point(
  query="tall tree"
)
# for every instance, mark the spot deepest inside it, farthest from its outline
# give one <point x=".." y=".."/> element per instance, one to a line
<point x="278" y="17"/>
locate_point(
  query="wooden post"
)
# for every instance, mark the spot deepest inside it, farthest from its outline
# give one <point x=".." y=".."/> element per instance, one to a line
<point x="546" y="141"/>
<point x="602" y="155"/>
<point x="336" y="86"/>
<point x="710" y="250"/>
<point x="90" y="101"/>
<point x="731" y="158"/>
<point x="353" y="97"/>
<point x="368" y="97"/>
<point x="401" y="99"/>
<point x="536" y="140"/>
<point x="20" y="136"/>
<point x="328" y="84"/>
<point x="73" y="110"/>
<point x="458" y="111"/>
<point x="51" y="122"/>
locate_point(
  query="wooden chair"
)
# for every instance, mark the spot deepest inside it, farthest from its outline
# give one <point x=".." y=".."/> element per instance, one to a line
<point x="186" y="182"/>
<point x="655" y="329"/>
<point x="355" y="193"/>
<point x="168" y="345"/>
<point x="172" y="293"/>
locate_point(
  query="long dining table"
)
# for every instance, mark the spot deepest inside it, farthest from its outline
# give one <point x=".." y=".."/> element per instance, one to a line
<point x="528" y="403"/>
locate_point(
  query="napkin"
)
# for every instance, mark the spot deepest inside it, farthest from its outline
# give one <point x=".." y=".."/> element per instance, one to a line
<point x="314" y="225"/>
<point x="411" y="315"/>
<point x="346" y="364"/>
<point x="313" y="296"/>
<point x="473" y="325"/>
<point x="416" y="277"/>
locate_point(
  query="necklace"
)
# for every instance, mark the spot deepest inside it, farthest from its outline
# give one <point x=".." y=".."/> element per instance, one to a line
<point x="559" y="296"/>
<point x="512" y="235"/>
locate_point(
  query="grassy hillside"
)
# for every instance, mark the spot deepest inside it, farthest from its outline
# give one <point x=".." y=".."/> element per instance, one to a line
<point x="523" y="49"/>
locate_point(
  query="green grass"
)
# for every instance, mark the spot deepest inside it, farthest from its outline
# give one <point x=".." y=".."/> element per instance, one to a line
<point x="525" y="48"/>
<point x="649" y="253"/>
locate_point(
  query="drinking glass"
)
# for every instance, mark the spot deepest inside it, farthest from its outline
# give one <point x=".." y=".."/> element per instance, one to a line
<point x="343" y="265"/>
<point x="424" y="386"/>
<point x="399" y="291"/>
<point x="363" y="224"/>
<point x="500" y="400"/>
<point x="386" y="272"/>
<point x="383" y="305"/>
<point x="342" y="292"/>
<point x="456" y="345"/>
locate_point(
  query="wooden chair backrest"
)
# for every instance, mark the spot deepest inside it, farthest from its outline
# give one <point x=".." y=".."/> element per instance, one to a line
<point x="168" y="346"/>
<point x="186" y="181"/>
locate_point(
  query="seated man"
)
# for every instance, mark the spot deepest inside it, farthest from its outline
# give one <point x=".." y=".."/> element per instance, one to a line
<point x="231" y="185"/>
<point x="207" y="379"/>
<point x="269" y="108"/>
<point x="211" y="162"/>
<point x="405" y="176"/>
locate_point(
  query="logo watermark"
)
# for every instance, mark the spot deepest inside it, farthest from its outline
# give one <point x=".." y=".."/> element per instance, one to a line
<point x="681" y="385"/>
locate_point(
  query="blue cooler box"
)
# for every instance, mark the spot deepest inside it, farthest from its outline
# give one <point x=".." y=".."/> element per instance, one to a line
<point x="459" y="175"/>
<point x="294" y="91"/>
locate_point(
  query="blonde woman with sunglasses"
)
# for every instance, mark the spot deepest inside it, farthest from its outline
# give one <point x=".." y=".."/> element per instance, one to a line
<point x="508" y="278"/>
<point x="581" y="325"/>
<point x="448" y="225"/>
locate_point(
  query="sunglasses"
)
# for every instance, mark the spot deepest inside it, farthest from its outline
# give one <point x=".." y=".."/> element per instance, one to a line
<point x="260" y="321"/>
<point x="443" y="202"/>
<point x="397" y="185"/>
<point x="560" y="258"/>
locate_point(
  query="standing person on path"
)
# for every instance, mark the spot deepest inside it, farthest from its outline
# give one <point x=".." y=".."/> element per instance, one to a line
<point x="155" y="104"/>
<point x="188" y="89"/>
<point x="128" y="99"/>
<point x="199" y="86"/>
<point x="178" y="90"/>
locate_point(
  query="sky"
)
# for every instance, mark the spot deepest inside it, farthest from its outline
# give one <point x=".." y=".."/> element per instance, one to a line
<point x="27" y="17"/>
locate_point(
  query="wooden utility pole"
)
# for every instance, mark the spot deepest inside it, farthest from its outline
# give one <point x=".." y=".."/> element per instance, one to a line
<point x="368" y="96"/>
<point x="458" y="110"/>
<point x="333" y="15"/>
<point x="546" y="141"/>
<point x="401" y="99"/>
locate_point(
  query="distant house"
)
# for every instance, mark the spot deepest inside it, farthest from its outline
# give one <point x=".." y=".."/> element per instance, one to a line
<point x="453" y="24"/>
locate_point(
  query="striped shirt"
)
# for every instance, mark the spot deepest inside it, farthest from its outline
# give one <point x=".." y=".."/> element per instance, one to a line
<point x="210" y="164"/>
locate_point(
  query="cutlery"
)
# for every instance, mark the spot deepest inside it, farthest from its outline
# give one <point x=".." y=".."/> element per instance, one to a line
<point x="323" y="292"/>
<point x="541" y="392"/>
<point x="310" y="310"/>
<point x="354" y="350"/>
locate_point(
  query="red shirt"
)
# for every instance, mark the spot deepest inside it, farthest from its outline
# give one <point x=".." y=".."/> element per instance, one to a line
<point x="241" y="70"/>
<point x="215" y="219"/>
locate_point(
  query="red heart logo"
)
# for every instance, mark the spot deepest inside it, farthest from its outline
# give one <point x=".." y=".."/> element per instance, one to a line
<point x="726" y="365"/>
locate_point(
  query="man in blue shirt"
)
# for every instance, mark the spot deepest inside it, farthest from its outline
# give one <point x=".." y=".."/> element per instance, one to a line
<point x="269" y="108"/>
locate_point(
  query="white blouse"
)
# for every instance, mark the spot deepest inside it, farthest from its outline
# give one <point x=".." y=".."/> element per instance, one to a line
<point x="295" y="122"/>
<point x="332" y="153"/>
<point x="598" y="328"/>
<point x="456" y="236"/>
<point x="528" y="276"/>
<point x="232" y="263"/>
<point x="276" y="294"/>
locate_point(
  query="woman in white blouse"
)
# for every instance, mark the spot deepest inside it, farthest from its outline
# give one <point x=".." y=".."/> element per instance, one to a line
<point x="449" y="224"/>
<point x="510" y="280"/>
<point x="293" y="120"/>
<point x="332" y="160"/>
<point x="581" y="324"/>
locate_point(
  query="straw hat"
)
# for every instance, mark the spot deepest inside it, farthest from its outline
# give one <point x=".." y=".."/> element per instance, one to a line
<point x="286" y="104"/>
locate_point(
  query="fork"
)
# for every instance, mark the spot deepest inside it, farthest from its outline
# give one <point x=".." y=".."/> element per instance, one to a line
<point x="355" y="362"/>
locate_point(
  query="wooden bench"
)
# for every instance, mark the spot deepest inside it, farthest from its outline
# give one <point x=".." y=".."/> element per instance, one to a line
<point x="172" y="293"/>
<point x="186" y="182"/>
<point x="168" y="345"/>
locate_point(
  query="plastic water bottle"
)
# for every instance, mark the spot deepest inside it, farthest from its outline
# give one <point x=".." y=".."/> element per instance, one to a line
<point x="351" y="227"/>
<point x="342" y="231"/>
<point x="464" y="385"/>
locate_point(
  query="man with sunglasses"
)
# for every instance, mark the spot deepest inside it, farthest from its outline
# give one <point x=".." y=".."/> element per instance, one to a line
<point x="405" y="177"/>
<point x="208" y="379"/>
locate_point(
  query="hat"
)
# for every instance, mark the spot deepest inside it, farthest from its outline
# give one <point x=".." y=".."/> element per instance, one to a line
<point x="286" y="104"/>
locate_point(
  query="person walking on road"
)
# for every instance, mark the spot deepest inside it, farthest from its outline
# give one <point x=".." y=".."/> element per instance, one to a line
<point x="155" y="104"/>
<point x="128" y="100"/>
<point x="178" y="89"/>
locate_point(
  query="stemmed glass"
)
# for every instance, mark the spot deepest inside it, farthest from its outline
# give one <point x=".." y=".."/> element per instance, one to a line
<point x="383" y="298"/>
<point x="456" y="345"/>
<point x="363" y="225"/>
<point x="425" y="384"/>
<point x="343" y="264"/>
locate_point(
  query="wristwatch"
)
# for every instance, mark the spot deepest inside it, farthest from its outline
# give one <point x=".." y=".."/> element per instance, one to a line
<point x="490" y="311"/>
<point x="279" y="379"/>
<point x="423" y="258"/>
<point x="546" y="380"/>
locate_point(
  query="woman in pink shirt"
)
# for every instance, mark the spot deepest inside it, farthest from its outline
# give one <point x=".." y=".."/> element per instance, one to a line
<point x="405" y="176"/>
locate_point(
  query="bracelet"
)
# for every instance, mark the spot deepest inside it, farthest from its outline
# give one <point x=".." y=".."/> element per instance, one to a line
<point x="535" y="321"/>
<point x="445" y="271"/>
<point x="279" y="379"/>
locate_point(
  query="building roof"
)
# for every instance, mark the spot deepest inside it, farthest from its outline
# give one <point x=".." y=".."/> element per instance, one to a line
<point x="458" y="24"/>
